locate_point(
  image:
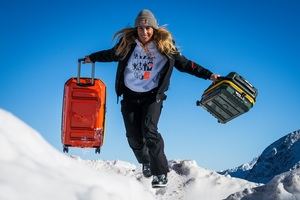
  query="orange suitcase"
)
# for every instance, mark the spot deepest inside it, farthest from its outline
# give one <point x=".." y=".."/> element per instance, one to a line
<point x="83" y="114"/>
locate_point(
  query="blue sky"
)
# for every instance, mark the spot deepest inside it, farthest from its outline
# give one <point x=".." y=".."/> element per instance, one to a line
<point x="40" y="42"/>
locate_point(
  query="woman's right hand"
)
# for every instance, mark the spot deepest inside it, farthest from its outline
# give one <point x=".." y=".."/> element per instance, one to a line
<point x="87" y="59"/>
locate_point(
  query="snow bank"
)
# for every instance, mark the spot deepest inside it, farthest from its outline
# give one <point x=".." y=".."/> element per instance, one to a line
<point x="209" y="185"/>
<point x="186" y="180"/>
<point x="30" y="169"/>
<point x="285" y="186"/>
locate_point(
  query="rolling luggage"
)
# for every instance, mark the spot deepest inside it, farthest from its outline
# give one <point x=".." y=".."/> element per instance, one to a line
<point x="83" y="114"/>
<point x="228" y="97"/>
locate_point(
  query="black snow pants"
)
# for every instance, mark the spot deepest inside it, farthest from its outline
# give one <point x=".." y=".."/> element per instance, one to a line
<point x="141" y="114"/>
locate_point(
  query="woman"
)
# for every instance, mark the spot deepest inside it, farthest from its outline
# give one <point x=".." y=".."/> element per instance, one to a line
<point x="146" y="55"/>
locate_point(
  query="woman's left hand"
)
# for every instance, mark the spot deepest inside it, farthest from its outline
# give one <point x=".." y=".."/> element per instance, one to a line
<point x="214" y="77"/>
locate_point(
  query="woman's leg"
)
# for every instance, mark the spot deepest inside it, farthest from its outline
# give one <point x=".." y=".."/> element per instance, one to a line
<point x="132" y="116"/>
<point x="154" y="140"/>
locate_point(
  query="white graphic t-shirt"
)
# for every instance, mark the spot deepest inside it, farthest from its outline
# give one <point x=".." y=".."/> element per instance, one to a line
<point x="142" y="72"/>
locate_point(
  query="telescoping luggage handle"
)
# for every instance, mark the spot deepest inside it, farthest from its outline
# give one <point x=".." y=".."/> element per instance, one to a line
<point x="81" y="60"/>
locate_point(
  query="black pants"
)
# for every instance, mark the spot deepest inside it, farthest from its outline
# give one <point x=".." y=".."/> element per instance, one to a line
<point x="141" y="115"/>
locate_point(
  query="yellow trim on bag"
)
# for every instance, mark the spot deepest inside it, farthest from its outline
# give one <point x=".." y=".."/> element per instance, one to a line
<point x="235" y="87"/>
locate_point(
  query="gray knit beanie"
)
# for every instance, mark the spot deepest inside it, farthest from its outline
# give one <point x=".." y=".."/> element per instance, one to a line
<point x="146" y="17"/>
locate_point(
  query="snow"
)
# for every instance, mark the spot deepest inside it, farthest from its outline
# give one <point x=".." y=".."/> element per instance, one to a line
<point x="31" y="169"/>
<point x="285" y="186"/>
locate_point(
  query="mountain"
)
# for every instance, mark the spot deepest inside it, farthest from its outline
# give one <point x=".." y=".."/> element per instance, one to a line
<point x="241" y="171"/>
<point x="285" y="186"/>
<point x="281" y="156"/>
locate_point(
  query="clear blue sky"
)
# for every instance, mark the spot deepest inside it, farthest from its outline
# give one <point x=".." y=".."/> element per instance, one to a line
<point x="40" y="42"/>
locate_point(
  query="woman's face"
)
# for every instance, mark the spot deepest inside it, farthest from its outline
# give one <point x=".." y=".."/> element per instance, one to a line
<point x="145" y="33"/>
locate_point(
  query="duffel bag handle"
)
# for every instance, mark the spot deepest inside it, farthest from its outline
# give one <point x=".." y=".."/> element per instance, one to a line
<point x="81" y="60"/>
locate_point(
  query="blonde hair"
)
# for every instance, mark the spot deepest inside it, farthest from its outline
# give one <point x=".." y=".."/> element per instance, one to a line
<point x="161" y="37"/>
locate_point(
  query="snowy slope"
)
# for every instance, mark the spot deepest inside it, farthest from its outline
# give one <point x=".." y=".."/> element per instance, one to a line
<point x="285" y="186"/>
<point x="186" y="180"/>
<point x="30" y="169"/>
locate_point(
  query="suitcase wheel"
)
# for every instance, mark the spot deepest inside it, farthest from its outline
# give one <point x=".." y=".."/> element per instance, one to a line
<point x="97" y="150"/>
<point x="66" y="149"/>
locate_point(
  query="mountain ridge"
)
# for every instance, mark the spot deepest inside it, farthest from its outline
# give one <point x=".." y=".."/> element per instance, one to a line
<point x="281" y="156"/>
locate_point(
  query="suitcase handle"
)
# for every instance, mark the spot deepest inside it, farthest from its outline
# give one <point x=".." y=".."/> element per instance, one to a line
<point x="248" y="87"/>
<point x="220" y="78"/>
<point x="81" y="60"/>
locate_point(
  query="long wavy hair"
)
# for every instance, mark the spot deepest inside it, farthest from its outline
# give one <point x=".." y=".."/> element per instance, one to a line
<point x="161" y="37"/>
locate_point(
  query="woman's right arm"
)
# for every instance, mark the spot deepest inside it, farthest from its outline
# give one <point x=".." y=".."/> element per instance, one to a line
<point x="102" y="56"/>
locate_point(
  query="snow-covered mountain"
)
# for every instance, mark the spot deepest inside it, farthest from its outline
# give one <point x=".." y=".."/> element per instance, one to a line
<point x="31" y="169"/>
<point x="285" y="186"/>
<point x="281" y="156"/>
<point x="241" y="171"/>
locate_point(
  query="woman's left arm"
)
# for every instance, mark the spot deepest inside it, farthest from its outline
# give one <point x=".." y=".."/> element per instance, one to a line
<point x="185" y="65"/>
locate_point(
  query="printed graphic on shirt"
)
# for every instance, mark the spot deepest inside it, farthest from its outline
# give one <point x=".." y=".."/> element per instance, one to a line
<point x="142" y="72"/>
<point x="142" y="65"/>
